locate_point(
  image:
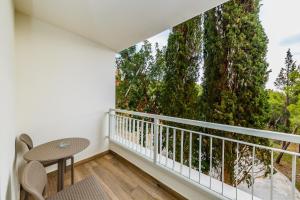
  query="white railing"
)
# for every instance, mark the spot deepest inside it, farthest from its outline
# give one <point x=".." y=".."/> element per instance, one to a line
<point x="151" y="137"/>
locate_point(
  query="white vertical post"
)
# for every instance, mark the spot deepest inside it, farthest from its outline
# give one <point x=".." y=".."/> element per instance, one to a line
<point x="156" y="124"/>
<point x="138" y="135"/>
<point x="181" y="151"/>
<point x="130" y="132"/>
<point x="134" y="135"/>
<point x="160" y="143"/>
<point x="200" y="157"/>
<point x="151" y="141"/>
<point x="167" y="146"/>
<point x="111" y="131"/>
<point x="223" y="158"/>
<point x="252" y="171"/>
<point x="147" y="133"/>
<point x="237" y="170"/>
<point x="126" y="131"/>
<point x="294" y="162"/>
<point x="210" y="162"/>
<point x="123" y="129"/>
<point x="271" y="176"/>
<point x="117" y="127"/>
<point x="190" y="155"/>
<point x="142" y="135"/>
<point x="174" y="147"/>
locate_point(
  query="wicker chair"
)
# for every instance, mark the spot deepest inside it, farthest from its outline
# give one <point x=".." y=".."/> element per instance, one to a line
<point x="29" y="143"/>
<point x="34" y="181"/>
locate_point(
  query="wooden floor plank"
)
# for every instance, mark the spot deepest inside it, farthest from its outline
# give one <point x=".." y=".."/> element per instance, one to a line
<point x="120" y="180"/>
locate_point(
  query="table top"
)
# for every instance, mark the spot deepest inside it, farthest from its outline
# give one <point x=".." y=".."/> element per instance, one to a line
<point x="57" y="149"/>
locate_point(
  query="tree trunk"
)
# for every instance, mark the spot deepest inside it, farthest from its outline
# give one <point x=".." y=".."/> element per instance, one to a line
<point x="287" y="144"/>
<point x="281" y="153"/>
<point x="228" y="176"/>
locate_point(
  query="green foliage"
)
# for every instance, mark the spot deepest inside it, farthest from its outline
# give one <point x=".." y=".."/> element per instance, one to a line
<point x="284" y="79"/>
<point x="294" y="89"/>
<point x="294" y="107"/>
<point x="276" y="101"/>
<point x="285" y="82"/>
<point x="138" y="78"/>
<point x="180" y="93"/>
<point x="235" y="73"/>
<point x="294" y="110"/>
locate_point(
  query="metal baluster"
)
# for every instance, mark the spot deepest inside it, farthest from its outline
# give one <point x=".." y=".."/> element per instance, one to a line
<point x="190" y="155"/>
<point x="123" y="129"/>
<point x="130" y="132"/>
<point x="160" y="143"/>
<point x="142" y="136"/>
<point x="294" y="163"/>
<point x="120" y="127"/>
<point x="181" y="151"/>
<point x="117" y="127"/>
<point x="151" y="142"/>
<point x="138" y="135"/>
<point x="210" y="162"/>
<point x="156" y="126"/>
<point x="272" y="172"/>
<point x="252" y="171"/>
<point x="146" y="145"/>
<point x="200" y="157"/>
<point x="110" y="125"/>
<point x="223" y="158"/>
<point x="237" y="170"/>
<point x="126" y="131"/>
<point x="167" y="146"/>
<point x="174" y="147"/>
<point x="133" y="134"/>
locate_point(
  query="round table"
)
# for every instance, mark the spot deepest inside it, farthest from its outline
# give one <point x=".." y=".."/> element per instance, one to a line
<point x="57" y="150"/>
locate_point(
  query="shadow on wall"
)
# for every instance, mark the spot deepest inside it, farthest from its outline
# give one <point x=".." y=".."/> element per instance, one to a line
<point x="19" y="163"/>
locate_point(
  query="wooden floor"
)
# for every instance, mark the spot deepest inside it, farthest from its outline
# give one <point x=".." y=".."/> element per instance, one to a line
<point x="120" y="179"/>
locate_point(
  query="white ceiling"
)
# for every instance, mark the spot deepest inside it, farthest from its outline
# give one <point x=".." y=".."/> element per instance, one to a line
<point x="116" y="24"/>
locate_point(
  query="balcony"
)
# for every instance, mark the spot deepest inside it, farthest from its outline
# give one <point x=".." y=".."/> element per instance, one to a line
<point x="58" y="80"/>
<point x="151" y="138"/>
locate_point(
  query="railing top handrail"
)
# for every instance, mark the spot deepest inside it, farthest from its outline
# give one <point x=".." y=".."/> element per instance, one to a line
<point x="227" y="128"/>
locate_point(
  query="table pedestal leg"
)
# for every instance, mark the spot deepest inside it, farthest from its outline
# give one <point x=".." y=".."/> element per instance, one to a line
<point x="60" y="175"/>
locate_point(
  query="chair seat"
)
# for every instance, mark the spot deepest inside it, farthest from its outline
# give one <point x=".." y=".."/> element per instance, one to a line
<point x="87" y="189"/>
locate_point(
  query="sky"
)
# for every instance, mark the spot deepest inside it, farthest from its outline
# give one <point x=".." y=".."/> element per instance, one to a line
<point x="281" y="21"/>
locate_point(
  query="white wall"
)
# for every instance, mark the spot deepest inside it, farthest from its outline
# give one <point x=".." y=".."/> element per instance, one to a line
<point x="7" y="122"/>
<point x="65" y="85"/>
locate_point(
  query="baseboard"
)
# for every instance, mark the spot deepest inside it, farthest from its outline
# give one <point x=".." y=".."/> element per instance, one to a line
<point x="99" y="155"/>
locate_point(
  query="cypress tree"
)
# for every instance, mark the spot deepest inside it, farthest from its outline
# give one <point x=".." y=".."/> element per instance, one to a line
<point x="180" y="92"/>
<point x="235" y="73"/>
<point x="283" y="82"/>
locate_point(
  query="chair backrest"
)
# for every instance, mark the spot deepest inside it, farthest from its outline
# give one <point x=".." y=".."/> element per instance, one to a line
<point x="27" y="140"/>
<point x="34" y="179"/>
